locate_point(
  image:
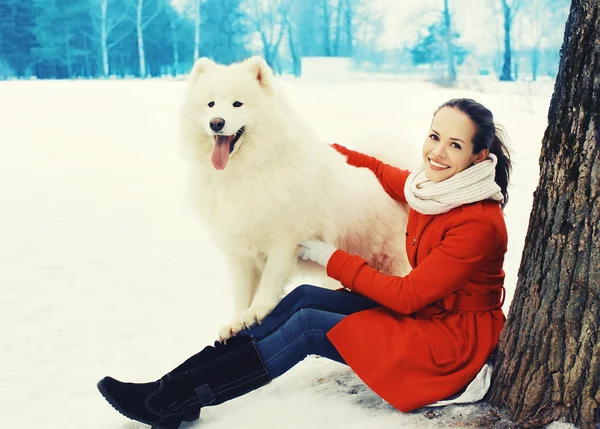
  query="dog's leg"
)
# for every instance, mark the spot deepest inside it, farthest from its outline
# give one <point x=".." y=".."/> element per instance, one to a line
<point x="244" y="278"/>
<point x="281" y="260"/>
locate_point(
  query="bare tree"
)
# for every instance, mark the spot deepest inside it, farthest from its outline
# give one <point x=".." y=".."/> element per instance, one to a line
<point x="141" y="23"/>
<point x="338" y="27"/>
<point x="197" y="9"/>
<point x="296" y="61"/>
<point x="173" y="18"/>
<point x="449" y="36"/>
<point x="509" y="10"/>
<point x="104" y="24"/>
<point x="327" y="13"/>
<point x="541" y="20"/>
<point x="350" y="9"/>
<point x="548" y="358"/>
<point x="268" y="18"/>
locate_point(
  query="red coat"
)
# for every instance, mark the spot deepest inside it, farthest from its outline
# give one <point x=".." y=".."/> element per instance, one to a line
<point x="442" y="321"/>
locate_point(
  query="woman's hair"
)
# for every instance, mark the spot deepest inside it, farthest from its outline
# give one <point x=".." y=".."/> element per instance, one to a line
<point x="488" y="136"/>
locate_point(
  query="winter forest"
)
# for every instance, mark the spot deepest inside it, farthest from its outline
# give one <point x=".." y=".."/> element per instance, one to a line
<point x="66" y="39"/>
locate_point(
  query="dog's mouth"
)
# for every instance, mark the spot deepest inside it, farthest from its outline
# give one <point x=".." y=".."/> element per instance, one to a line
<point x="223" y="146"/>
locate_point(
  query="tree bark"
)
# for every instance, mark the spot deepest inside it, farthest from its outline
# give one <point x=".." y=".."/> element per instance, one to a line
<point x="548" y="361"/>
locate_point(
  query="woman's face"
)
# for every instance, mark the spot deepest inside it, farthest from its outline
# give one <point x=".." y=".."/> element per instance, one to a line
<point x="448" y="148"/>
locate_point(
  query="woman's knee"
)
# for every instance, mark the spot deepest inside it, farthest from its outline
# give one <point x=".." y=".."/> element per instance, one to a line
<point x="311" y="325"/>
<point x="310" y="320"/>
<point x="306" y="294"/>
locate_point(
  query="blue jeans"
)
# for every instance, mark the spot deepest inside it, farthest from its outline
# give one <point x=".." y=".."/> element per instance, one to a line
<point x="298" y="325"/>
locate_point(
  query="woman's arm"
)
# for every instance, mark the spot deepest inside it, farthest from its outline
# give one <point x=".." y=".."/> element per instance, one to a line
<point x="465" y="247"/>
<point x="391" y="178"/>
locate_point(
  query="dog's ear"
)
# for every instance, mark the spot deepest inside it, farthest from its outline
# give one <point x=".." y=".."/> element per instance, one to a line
<point x="261" y="71"/>
<point x="200" y="66"/>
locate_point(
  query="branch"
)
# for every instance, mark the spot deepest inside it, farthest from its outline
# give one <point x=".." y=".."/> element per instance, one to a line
<point x="110" y="26"/>
<point x="514" y="8"/>
<point x="90" y="36"/>
<point x="157" y="12"/>
<point x="119" y="40"/>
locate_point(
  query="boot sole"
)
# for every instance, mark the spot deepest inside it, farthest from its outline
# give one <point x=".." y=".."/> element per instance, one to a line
<point x="125" y="413"/>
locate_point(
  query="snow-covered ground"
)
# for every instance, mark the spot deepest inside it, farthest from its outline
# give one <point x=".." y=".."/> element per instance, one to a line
<point x="104" y="269"/>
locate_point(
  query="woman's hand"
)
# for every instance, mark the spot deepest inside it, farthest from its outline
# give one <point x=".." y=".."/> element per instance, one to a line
<point x="341" y="149"/>
<point x="316" y="250"/>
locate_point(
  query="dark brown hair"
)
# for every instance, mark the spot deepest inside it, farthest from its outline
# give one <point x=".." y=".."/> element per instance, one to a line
<point x="488" y="136"/>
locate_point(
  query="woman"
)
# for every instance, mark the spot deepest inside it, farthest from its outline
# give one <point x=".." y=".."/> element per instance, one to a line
<point x="413" y="340"/>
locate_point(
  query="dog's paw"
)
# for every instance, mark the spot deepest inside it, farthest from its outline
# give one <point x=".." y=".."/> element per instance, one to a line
<point x="256" y="313"/>
<point x="230" y="330"/>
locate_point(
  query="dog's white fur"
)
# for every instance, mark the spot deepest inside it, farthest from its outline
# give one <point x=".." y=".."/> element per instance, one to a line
<point x="281" y="185"/>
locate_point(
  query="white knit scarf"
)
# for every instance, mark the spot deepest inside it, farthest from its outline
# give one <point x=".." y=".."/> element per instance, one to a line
<point x="475" y="183"/>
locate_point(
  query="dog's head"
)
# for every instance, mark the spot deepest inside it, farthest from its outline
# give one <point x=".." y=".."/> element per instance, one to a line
<point x="226" y="104"/>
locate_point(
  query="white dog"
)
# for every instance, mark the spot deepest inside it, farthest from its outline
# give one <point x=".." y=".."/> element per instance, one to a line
<point x="262" y="181"/>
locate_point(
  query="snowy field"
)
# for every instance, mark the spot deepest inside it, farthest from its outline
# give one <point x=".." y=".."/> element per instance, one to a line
<point x="105" y="270"/>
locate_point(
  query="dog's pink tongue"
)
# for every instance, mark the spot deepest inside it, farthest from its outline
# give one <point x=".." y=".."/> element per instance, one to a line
<point x="220" y="154"/>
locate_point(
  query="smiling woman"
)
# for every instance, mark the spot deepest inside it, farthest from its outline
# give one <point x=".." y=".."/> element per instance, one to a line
<point x="448" y="149"/>
<point x="462" y="134"/>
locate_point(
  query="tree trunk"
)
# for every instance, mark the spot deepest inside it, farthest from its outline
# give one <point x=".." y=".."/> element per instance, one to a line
<point x="349" y="28"/>
<point x="326" y="28"/>
<point x="86" y="56"/>
<point x="548" y="360"/>
<point x="140" y="38"/>
<point x="104" y="37"/>
<point x="338" y="29"/>
<point x="68" y="47"/>
<point x="175" y="44"/>
<point x="197" y="32"/>
<point x="449" y="45"/>
<point x="535" y="61"/>
<point x="506" y="76"/>
<point x="293" y="51"/>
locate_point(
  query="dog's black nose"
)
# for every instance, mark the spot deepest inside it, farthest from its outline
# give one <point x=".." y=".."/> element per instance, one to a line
<point x="217" y="124"/>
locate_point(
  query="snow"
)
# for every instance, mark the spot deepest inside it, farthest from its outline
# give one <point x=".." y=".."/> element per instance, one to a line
<point x="105" y="270"/>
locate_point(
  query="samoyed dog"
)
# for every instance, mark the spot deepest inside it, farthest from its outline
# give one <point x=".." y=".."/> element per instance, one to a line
<point x="262" y="181"/>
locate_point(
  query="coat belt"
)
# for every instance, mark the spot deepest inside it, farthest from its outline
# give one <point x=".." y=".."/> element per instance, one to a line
<point x="456" y="302"/>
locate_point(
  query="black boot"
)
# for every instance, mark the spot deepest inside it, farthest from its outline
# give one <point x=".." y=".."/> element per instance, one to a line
<point x="179" y="396"/>
<point x="203" y="357"/>
<point x="209" y="353"/>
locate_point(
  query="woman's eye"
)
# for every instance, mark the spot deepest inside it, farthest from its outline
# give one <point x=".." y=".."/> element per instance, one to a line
<point x="456" y="146"/>
<point x="433" y="137"/>
<point x="238" y="104"/>
<point x="211" y="104"/>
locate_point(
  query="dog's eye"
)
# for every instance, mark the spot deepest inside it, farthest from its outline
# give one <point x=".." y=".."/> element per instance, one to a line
<point x="211" y="104"/>
<point x="238" y="104"/>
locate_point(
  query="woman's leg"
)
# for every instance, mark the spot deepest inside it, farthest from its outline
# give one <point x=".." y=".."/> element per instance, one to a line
<point x="302" y="297"/>
<point x="303" y="334"/>
<point x="305" y="297"/>
<point x="296" y="328"/>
